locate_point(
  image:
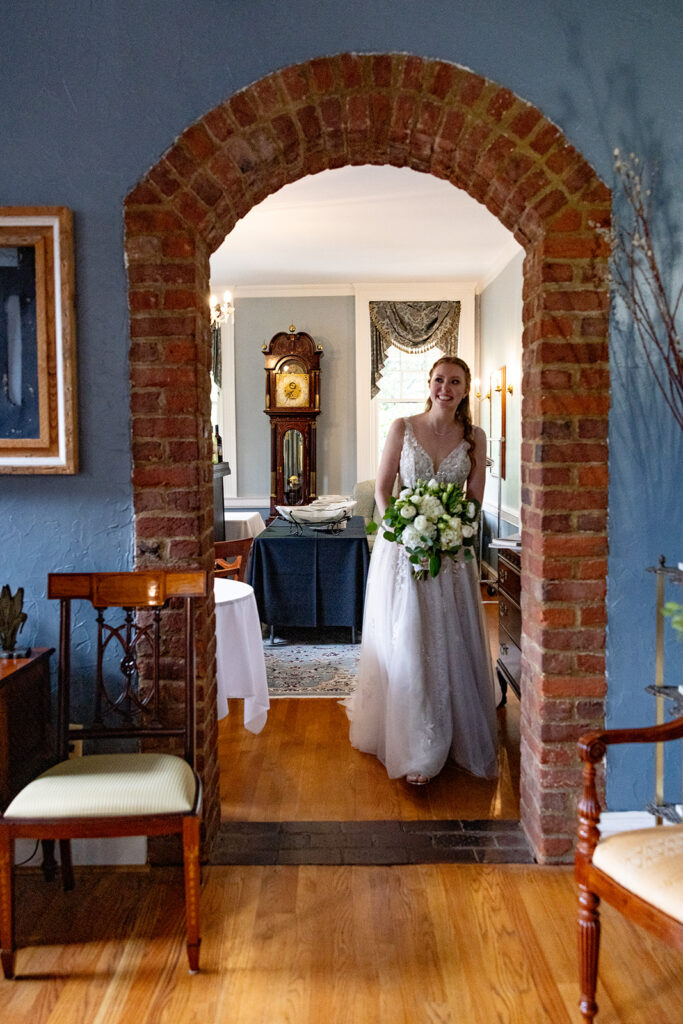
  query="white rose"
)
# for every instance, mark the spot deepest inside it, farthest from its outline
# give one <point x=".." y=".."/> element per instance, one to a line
<point x="405" y="493"/>
<point x="408" y="511"/>
<point x="410" y="537"/>
<point x="471" y="510"/>
<point x="424" y="527"/>
<point x="468" y="530"/>
<point x="432" y="483"/>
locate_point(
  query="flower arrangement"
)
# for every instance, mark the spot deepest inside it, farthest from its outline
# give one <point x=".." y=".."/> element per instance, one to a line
<point x="432" y="521"/>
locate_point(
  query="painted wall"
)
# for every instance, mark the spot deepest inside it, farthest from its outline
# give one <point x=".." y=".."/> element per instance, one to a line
<point x="330" y="322"/>
<point x="92" y="94"/>
<point x="500" y="344"/>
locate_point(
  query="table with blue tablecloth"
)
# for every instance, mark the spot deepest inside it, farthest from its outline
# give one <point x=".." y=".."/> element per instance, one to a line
<point x="304" y="576"/>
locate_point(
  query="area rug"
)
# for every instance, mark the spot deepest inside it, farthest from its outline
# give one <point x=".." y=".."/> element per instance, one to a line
<point x="311" y="663"/>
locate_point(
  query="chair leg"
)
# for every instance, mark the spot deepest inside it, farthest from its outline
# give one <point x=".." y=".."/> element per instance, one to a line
<point x="191" y="866"/>
<point x="67" y="866"/>
<point x="589" y="949"/>
<point x="6" y="903"/>
<point x="49" y="865"/>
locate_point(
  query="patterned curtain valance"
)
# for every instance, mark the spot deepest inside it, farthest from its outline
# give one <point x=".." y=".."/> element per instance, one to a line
<point x="412" y="327"/>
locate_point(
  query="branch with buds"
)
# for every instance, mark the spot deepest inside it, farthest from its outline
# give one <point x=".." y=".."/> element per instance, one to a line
<point x="636" y="278"/>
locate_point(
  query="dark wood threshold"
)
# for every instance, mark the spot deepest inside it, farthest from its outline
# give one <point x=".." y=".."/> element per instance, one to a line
<point x="371" y="842"/>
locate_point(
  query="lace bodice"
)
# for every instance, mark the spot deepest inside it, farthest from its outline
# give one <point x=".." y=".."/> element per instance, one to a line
<point x="416" y="464"/>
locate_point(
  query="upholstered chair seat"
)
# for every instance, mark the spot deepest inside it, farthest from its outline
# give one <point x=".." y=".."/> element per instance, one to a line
<point x="649" y="863"/>
<point x="108" y="786"/>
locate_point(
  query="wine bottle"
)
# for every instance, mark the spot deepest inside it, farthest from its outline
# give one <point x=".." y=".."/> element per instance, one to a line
<point x="218" y="445"/>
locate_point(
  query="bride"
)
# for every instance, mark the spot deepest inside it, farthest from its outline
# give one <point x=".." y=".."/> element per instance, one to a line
<point x="425" y="689"/>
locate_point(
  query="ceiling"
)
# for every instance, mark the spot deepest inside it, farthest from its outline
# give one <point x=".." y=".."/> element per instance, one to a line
<point x="359" y="225"/>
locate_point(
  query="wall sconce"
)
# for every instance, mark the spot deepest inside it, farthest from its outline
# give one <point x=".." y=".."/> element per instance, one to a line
<point x="477" y="392"/>
<point x="500" y="377"/>
<point x="221" y="312"/>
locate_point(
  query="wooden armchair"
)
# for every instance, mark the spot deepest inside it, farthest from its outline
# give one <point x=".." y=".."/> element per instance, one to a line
<point x="228" y="551"/>
<point x="118" y="794"/>
<point x="224" y="570"/>
<point x="640" y="873"/>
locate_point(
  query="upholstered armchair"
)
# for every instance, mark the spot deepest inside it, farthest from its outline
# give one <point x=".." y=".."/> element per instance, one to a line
<point x="364" y="495"/>
<point x="640" y="873"/>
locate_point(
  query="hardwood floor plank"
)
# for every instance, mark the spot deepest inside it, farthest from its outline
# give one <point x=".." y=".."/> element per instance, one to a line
<point x="423" y="944"/>
<point x="303" y="768"/>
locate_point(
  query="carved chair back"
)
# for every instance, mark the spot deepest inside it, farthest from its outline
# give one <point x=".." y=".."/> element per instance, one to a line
<point x="143" y="624"/>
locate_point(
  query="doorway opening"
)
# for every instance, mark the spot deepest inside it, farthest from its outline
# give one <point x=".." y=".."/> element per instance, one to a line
<point x="443" y="120"/>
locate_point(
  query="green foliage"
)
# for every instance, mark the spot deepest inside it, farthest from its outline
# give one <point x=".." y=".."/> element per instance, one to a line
<point x="674" y="611"/>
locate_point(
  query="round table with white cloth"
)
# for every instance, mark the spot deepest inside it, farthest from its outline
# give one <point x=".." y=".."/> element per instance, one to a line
<point x="243" y="524"/>
<point x="240" y="664"/>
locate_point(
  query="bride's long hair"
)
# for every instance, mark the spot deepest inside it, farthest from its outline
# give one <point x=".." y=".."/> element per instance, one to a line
<point x="463" y="414"/>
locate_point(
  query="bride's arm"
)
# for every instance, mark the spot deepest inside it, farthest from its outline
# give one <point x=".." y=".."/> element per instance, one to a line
<point x="477" y="478"/>
<point x="388" y="465"/>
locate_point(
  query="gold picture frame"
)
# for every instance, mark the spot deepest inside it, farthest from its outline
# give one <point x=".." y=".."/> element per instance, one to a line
<point x="37" y="341"/>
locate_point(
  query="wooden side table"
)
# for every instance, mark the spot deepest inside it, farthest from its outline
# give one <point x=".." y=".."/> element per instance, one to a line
<point x="26" y="741"/>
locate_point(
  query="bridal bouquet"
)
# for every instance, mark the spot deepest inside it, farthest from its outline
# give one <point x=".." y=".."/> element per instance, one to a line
<point x="433" y="521"/>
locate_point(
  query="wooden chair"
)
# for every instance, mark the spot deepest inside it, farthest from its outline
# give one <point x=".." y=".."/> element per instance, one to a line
<point x="640" y="873"/>
<point x="227" y="570"/>
<point x="117" y="794"/>
<point x="231" y="549"/>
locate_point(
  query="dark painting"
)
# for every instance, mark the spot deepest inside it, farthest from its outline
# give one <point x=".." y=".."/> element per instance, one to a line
<point x="19" y="404"/>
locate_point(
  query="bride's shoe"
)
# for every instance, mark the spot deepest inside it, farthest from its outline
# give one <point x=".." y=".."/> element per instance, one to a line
<point x="417" y="780"/>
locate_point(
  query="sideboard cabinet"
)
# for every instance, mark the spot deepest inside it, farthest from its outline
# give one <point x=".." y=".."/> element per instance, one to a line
<point x="509" y="664"/>
<point x="26" y="744"/>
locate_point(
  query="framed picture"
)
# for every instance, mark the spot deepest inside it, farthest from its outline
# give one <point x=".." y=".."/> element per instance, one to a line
<point x="37" y="341"/>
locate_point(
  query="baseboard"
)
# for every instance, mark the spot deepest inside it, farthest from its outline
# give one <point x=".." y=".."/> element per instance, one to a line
<point x="119" y="850"/>
<point x="613" y="822"/>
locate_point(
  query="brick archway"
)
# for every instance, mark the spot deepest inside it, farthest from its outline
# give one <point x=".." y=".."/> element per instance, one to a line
<point x="439" y="119"/>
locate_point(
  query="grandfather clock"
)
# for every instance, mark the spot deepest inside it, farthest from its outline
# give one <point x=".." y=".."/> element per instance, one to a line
<point x="293" y="404"/>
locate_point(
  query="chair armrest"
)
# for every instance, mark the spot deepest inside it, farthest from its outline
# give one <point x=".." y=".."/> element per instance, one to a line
<point x="592" y="744"/>
<point x="592" y="747"/>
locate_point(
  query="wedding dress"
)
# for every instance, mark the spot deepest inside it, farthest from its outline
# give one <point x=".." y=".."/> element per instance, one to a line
<point x="425" y="689"/>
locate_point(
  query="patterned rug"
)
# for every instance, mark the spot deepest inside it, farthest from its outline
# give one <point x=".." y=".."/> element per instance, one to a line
<point x="311" y="662"/>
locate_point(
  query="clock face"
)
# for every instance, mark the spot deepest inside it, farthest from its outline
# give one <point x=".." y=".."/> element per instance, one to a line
<point x="291" y="390"/>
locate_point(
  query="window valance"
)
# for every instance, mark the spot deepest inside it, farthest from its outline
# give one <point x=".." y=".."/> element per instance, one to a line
<point x="411" y="327"/>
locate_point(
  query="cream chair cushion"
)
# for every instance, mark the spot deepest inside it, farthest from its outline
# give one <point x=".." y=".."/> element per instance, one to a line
<point x="107" y="785"/>
<point x="649" y="863"/>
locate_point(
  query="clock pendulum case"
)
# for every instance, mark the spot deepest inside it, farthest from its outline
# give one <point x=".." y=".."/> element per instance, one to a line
<point x="292" y="363"/>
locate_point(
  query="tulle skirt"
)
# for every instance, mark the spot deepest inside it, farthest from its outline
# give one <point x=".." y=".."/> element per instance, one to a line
<point x="425" y="689"/>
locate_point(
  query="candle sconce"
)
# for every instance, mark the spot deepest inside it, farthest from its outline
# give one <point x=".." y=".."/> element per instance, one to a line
<point x="477" y="392"/>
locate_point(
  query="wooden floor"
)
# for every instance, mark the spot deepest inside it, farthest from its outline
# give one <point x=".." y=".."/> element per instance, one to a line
<point x="426" y="944"/>
<point x="301" y="767"/>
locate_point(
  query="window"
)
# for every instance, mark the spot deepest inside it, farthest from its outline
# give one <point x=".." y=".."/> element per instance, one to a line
<point x="403" y="388"/>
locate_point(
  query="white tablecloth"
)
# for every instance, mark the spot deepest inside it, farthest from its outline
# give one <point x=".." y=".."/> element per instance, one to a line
<point x="243" y="524"/>
<point x="240" y="665"/>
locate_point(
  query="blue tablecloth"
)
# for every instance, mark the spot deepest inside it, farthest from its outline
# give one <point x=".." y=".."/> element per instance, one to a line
<point x="310" y="577"/>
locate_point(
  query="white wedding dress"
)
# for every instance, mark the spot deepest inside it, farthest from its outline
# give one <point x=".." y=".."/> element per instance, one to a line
<point x="425" y="689"/>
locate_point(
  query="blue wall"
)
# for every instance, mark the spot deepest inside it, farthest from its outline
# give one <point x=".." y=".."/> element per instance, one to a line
<point x="92" y="94"/>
